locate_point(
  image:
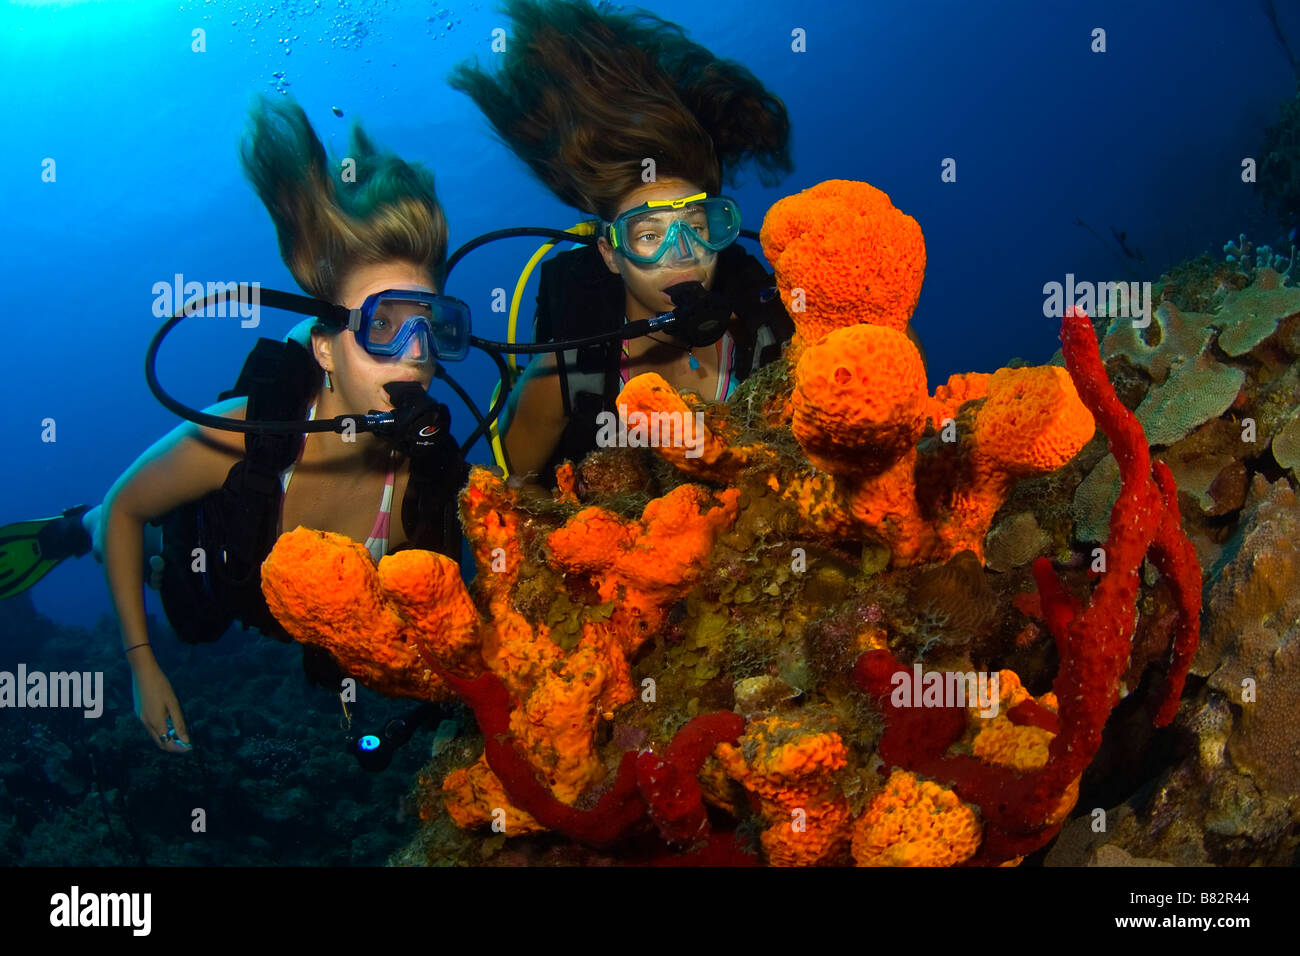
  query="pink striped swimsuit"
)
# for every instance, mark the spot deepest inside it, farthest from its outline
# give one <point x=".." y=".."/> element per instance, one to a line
<point x="377" y="543"/>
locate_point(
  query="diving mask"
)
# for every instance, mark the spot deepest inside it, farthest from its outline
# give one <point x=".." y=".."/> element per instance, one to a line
<point x="653" y="230"/>
<point x="387" y="321"/>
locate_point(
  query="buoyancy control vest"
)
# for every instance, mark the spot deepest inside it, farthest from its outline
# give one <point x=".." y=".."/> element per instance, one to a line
<point x="578" y="296"/>
<point x="203" y="593"/>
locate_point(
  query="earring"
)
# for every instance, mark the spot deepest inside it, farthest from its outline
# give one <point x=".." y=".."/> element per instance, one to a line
<point x="328" y="384"/>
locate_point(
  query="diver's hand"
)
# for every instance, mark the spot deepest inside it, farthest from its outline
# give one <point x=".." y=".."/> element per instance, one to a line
<point x="158" y="709"/>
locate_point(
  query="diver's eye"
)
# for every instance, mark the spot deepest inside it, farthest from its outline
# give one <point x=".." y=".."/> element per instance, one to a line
<point x="379" y="325"/>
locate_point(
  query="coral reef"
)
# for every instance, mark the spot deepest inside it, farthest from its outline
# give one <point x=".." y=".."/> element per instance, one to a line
<point x="696" y="659"/>
<point x="1227" y="792"/>
<point x="270" y="767"/>
<point x="1023" y="798"/>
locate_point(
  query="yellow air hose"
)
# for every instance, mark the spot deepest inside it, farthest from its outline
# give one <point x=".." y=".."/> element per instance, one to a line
<point x="586" y="228"/>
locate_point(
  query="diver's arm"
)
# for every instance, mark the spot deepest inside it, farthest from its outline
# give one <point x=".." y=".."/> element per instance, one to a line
<point x="534" y="419"/>
<point x="183" y="466"/>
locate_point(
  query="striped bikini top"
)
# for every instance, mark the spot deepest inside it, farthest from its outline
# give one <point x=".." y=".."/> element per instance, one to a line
<point x="377" y="543"/>
<point x="726" y="380"/>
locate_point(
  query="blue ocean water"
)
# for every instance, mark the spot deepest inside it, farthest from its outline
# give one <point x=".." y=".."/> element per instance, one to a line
<point x="1146" y="138"/>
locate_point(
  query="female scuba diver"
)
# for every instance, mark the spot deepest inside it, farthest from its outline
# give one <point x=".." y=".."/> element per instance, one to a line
<point x="375" y="246"/>
<point x="619" y="115"/>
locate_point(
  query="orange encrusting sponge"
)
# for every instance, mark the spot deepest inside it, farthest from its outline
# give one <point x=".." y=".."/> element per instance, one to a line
<point x="914" y="822"/>
<point x="789" y="769"/>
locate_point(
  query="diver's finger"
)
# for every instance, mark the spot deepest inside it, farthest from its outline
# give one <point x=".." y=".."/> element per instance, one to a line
<point x="157" y="733"/>
<point x="170" y="741"/>
<point x="180" y="736"/>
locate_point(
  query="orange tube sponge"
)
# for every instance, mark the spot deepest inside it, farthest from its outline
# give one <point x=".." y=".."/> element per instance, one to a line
<point x="789" y="768"/>
<point x="678" y="534"/>
<point x="859" y="399"/>
<point x="1021" y="747"/>
<point x="1001" y="742"/>
<point x="325" y="590"/>
<point x="1004" y="744"/>
<point x="860" y="407"/>
<point x="613" y="642"/>
<point x="844" y="255"/>
<point x="426" y="590"/>
<point x="915" y="823"/>
<point x="1032" y="421"/>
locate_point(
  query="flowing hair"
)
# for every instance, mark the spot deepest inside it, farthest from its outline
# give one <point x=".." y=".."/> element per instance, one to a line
<point x="328" y="223"/>
<point x="584" y="96"/>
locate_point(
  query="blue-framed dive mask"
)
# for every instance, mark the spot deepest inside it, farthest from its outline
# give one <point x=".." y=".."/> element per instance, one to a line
<point x="675" y="229"/>
<point x="388" y="321"/>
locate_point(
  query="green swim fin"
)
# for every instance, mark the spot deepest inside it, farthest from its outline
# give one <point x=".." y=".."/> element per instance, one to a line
<point x="30" y="549"/>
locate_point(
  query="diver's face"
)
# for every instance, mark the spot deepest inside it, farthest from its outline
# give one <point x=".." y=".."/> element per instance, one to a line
<point x="646" y="284"/>
<point x="359" y="377"/>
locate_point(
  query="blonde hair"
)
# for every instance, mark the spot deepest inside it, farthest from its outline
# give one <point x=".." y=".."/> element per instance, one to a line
<point x="327" y="225"/>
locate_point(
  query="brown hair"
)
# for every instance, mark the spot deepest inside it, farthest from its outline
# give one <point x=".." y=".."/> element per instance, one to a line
<point x="326" y="226"/>
<point x="584" y="96"/>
